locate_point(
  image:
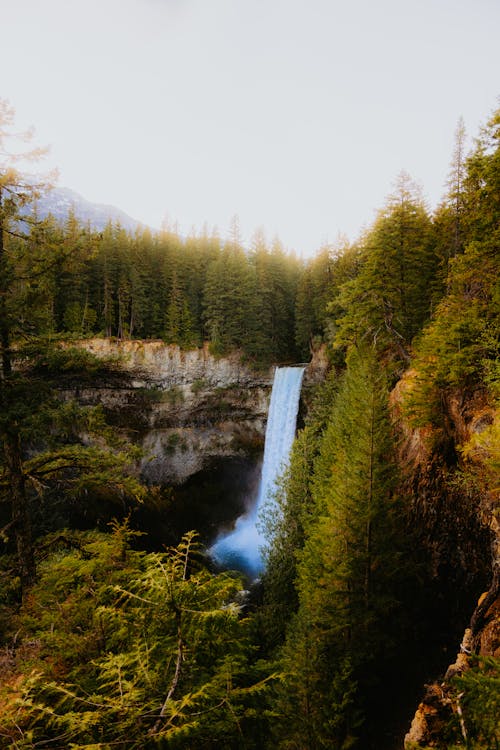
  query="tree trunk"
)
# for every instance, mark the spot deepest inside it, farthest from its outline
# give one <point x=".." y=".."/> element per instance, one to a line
<point x="20" y="519"/>
<point x="20" y="513"/>
<point x="4" y="324"/>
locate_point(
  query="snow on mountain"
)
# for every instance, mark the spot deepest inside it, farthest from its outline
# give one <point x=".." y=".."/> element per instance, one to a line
<point x="60" y="201"/>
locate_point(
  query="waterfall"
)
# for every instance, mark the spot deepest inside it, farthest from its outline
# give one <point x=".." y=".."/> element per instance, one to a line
<point x="240" y="548"/>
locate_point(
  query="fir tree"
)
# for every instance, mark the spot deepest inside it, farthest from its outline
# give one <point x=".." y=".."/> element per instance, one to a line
<point x="348" y="570"/>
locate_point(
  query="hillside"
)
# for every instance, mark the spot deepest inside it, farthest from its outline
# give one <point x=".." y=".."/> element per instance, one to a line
<point x="134" y="378"/>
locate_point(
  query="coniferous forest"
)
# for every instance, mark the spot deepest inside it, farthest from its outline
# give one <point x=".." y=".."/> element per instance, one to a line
<point x="378" y="548"/>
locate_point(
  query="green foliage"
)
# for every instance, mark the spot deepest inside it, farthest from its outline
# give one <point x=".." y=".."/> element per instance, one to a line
<point x="173" y="396"/>
<point x="348" y="572"/>
<point x="175" y="442"/>
<point x="459" y="348"/>
<point x="477" y="691"/>
<point x="318" y="285"/>
<point x="198" y="385"/>
<point x="283" y="520"/>
<point x="388" y="302"/>
<point x="52" y="361"/>
<point x="184" y="291"/>
<point x="112" y="646"/>
<point x="474" y="699"/>
<point x="56" y="454"/>
<point x="179" y="321"/>
<point x="287" y="517"/>
<point x="147" y="650"/>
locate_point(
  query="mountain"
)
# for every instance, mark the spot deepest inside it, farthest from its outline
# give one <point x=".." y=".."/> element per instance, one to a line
<point x="60" y="201"/>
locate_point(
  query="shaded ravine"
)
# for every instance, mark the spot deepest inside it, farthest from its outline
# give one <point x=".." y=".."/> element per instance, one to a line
<point x="240" y="549"/>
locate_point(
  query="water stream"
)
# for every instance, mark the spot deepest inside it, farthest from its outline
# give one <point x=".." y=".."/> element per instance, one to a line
<point x="240" y="549"/>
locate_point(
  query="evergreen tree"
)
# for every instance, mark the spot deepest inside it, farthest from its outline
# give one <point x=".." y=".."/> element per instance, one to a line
<point x="288" y="516"/>
<point x="15" y="192"/>
<point x="318" y="289"/>
<point x="272" y="301"/>
<point x="136" y="650"/>
<point x="348" y="570"/>
<point x="228" y="293"/>
<point x="178" y="324"/>
<point x="390" y="299"/>
<point x="459" y="348"/>
<point x="40" y="438"/>
<point x="314" y="292"/>
<point x="456" y="189"/>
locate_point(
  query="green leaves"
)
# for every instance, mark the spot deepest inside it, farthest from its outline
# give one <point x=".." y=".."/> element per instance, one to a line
<point x="390" y="299"/>
<point x="136" y="648"/>
<point x="349" y="565"/>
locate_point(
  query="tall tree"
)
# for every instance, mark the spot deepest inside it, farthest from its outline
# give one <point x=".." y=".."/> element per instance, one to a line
<point x="460" y="346"/>
<point x="456" y="186"/>
<point x="390" y="299"/>
<point x="228" y="292"/>
<point x="40" y="437"/>
<point x="348" y="569"/>
<point x="154" y="653"/>
<point x="16" y="191"/>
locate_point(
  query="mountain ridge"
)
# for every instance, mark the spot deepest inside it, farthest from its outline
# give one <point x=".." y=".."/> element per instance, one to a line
<point x="61" y="201"/>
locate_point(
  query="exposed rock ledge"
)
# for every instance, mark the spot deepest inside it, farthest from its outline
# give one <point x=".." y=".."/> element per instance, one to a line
<point x="185" y="408"/>
<point x="169" y="365"/>
<point x="466" y="415"/>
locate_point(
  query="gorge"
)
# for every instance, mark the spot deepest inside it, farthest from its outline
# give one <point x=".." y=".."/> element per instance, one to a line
<point x="135" y="382"/>
<point x="199" y="420"/>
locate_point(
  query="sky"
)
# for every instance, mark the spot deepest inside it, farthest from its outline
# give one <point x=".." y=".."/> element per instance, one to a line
<point x="294" y="115"/>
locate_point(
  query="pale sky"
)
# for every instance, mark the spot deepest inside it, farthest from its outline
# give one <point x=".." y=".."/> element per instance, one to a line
<point x="296" y="115"/>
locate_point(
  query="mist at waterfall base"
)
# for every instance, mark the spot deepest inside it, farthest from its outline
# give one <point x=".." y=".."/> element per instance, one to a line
<point x="241" y="548"/>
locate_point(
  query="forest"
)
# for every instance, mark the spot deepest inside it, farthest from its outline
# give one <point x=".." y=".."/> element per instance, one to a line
<point x="374" y="564"/>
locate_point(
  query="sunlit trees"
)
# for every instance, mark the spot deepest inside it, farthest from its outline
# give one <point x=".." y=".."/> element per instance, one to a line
<point x="273" y="300"/>
<point x="390" y="299"/>
<point x="455" y="198"/>
<point x="348" y="569"/>
<point x="41" y="443"/>
<point x="15" y="192"/>
<point x="315" y="290"/>
<point x="112" y="646"/>
<point x="138" y="649"/>
<point x="459" y="348"/>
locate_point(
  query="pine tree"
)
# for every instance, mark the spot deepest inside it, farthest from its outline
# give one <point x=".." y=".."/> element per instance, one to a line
<point x="142" y="650"/>
<point x="15" y="192"/>
<point x="459" y="348"/>
<point x="456" y="188"/>
<point x="348" y="570"/>
<point x="41" y="444"/>
<point x="390" y="299"/>
<point x="228" y="294"/>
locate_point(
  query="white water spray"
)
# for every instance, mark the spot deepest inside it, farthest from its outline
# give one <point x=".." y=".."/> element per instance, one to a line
<point x="241" y="548"/>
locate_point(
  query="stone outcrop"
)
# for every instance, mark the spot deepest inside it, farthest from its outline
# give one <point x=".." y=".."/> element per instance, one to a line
<point x="168" y="365"/>
<point x="185" y="408"/>
<point x="460" y="528"/>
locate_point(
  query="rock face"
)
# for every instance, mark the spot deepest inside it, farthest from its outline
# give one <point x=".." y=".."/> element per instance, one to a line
<point x="185" y="408"/>
<point x="462" y="536"/>
<point x="200" y="421"/>
<point x="169" y="365"/>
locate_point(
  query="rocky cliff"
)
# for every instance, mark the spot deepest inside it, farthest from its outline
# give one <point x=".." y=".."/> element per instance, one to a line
<point x="448" y="473"/>
<point x="185" y="408"/>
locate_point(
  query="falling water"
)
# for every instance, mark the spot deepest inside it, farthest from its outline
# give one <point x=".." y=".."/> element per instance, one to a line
<point x="240" y="549"/>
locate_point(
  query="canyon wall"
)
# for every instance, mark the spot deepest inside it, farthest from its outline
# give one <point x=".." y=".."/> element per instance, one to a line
<point x="449" y="474"/>
<point x="185" y="408"/>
